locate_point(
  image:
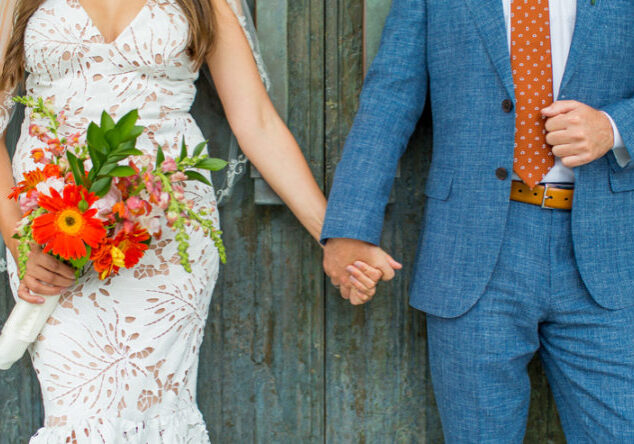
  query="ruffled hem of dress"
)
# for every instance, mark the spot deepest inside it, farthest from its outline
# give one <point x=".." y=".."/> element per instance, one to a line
<point x="180" y="427"/>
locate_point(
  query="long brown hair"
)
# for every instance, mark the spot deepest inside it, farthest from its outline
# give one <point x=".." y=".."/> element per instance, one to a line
<point x="199" y="14"/>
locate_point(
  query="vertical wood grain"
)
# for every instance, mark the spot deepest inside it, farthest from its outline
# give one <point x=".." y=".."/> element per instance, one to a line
<point x="261" y="373"/>
<point x="378" y="384"/>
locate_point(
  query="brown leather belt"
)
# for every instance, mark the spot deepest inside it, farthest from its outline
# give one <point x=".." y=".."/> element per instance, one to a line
<point x="545" y="196"/>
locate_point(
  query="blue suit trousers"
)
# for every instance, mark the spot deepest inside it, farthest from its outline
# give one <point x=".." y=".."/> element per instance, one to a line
<point x="535" y="302"/>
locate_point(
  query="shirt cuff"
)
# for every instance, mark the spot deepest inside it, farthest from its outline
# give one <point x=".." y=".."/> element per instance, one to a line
<point x="620" y="152"/>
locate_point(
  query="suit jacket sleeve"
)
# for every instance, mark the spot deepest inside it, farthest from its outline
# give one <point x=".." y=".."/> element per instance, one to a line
<point x="392" y="101"/>
<point x="622" y="113"/>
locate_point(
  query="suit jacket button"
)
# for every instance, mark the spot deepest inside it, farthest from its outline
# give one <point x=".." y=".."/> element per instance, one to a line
<point x="507" y="105"/>
<point x="501" y="173"/>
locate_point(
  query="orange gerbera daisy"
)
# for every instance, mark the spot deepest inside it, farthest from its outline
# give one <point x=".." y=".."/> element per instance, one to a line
<point x="69" y="224"/>
<point x="103" y="261"/>
<point x="125" y="250"/>
<point x="32" y="179"/>
<point x="132" y="244"/>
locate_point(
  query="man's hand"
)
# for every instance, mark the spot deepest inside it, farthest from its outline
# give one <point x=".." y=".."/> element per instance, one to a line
<point x="346" y="261"/>
<point x="578" y="133"/>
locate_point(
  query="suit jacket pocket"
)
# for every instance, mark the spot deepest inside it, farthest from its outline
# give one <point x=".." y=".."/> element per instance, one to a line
<point x="439" y="182"/>
<point x="622" y="180"/>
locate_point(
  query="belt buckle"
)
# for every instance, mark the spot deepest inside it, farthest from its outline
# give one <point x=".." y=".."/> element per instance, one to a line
<point x="546" y="197"/>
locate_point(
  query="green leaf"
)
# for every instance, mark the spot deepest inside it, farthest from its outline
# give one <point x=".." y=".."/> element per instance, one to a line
<point x="107" y="168"/>
<point x="211" y="164"/>
<point x="79" y="263"/>
<point x="95" y="138"/>
<point x="116" y="158"/>
<point x="126" y="124"/>
<point x="97" y="157"/>
<point x="122" y="171"/>
<point x="106" y="122"/>
<point x="82" y="169"/>
<point x="160" y="157"/>
<point x="199" y="148"/>
<point x="135" y="132"/>
<point x="183" y="150"/>
<point x="74" y="167"/>
<point x="194" y="175"/>
<point x="113" y="137"/>
<point x="101" y="186"/>
<point x="130" y="152"/>
<point x="123" y="146"/>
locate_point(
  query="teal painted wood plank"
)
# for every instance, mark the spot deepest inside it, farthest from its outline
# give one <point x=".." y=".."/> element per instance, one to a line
<point x="273" y="35"/>
<point x="374" y="14"/>
<point x="261" y="376"/>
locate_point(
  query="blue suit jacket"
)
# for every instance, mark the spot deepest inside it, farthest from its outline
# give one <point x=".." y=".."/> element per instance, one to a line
<point x="458" y="50"/>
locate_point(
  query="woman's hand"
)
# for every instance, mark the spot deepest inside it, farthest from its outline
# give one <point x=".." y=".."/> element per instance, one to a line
<point x="44" y="275"/>
<point x="364" y="280"/>
<point x="368" y="260"/>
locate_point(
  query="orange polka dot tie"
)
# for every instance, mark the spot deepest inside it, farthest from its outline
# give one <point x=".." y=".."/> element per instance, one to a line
<point x="531" y="63"/>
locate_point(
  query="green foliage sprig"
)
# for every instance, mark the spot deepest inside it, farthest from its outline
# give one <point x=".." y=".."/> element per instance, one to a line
<point x="108" y="144"/>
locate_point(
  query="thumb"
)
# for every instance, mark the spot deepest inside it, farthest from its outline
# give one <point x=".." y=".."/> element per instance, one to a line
<point x="393" y="263"/>
<point x="560" y="107"/>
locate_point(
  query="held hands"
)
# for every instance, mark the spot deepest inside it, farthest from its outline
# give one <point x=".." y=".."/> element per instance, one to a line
<point x="44" y="275"/>
<point x="578" y="133"/>
<point x="356" y="266"/>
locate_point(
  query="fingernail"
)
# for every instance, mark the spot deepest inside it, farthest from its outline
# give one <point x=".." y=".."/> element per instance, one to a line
<point x="353" y="279"/>
<point x="358" y="264"/>
<point x="40" y="300"/>
<point x="350" y="269"/>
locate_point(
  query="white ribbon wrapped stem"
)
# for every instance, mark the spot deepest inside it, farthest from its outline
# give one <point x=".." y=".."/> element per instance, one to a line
<point x="22" y="328"/>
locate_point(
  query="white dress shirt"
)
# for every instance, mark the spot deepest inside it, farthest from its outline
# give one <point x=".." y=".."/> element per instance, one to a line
<point x="563" y="14"/>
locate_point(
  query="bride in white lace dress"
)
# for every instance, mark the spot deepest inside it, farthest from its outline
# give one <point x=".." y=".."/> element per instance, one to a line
<point x="117" y="360"/>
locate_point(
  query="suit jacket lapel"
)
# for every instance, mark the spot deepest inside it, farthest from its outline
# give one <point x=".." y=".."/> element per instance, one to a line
<point x="488" y="16"/>
<point x="581" y="38"/>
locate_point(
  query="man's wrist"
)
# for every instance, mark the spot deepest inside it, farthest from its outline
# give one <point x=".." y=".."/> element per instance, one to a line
<point x="617" y="140"/>
<point x="621" y="154"/>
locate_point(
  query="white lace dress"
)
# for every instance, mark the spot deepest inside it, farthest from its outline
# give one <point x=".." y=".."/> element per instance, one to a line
<point x="117" y="360"/>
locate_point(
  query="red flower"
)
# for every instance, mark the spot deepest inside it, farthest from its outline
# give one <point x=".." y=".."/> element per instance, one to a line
<point x="125" y="250"/>
<point x="32" y="179"/>
<point x="37" y="155"/>
<point x="69" y="224"/>
<point x="132" y="244"/>
<point x="102" y="262"/>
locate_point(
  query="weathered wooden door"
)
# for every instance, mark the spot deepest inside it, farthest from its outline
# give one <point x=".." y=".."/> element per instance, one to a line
<point x="284" y="358"/>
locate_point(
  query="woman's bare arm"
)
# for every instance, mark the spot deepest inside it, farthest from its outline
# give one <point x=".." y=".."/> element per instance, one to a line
<point x="268" y="143"/>
<point x="260" y="131"/>
<point x="44" y="274"/>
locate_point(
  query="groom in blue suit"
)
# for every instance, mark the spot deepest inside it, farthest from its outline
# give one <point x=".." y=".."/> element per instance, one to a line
<point x="528" y="237"/>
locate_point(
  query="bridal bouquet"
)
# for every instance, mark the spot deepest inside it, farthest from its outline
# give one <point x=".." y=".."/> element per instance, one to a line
<point x="99" y="204"/>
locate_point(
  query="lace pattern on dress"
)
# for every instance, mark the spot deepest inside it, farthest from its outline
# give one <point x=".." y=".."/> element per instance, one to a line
<point x="7" y="105"/>
<point x="117" y="360"/>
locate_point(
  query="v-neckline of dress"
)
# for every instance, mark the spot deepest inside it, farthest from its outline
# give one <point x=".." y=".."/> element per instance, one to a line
<point x="124" y="31"/>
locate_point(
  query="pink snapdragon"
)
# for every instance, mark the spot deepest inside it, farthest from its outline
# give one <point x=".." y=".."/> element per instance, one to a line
<point x="169" y="165"/>
<point x="105" y="204"/>
<point x="28" y="202"/>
